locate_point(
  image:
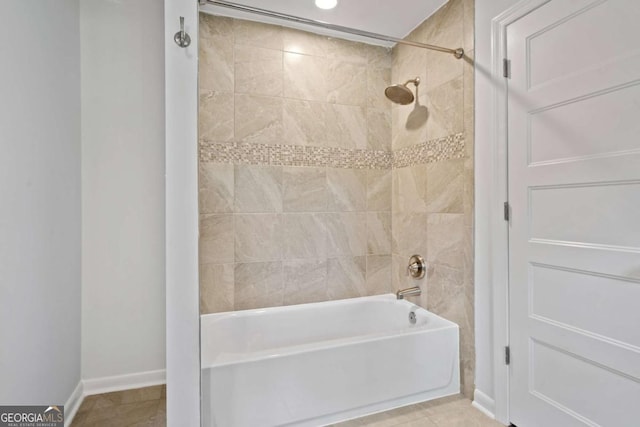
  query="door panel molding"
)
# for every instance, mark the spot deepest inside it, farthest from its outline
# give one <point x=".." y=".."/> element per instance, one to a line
<point x="573" y="341"/>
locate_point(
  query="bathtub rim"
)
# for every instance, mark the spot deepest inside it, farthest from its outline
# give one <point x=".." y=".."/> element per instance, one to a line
<point x="323" y="344"/>
<point x="297" y="307"/>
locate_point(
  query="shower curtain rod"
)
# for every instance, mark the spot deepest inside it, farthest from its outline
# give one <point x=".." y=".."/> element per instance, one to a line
<point x="458" y="53"/>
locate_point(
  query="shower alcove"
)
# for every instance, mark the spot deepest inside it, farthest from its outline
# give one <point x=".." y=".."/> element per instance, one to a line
<point x="312" y="186"/>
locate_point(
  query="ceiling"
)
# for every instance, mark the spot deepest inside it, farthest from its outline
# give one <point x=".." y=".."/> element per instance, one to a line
<point x="391" y="17"/>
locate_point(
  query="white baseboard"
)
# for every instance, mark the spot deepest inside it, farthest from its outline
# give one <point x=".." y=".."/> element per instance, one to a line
<point x="72" y="404"/>
<point x="484" y="404"/>
<point x="107" y="385"/>
<point x="123" y="382"/>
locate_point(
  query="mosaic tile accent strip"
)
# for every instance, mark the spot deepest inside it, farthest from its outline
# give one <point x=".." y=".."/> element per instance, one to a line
<point x="436" y="150"/>
<point x="243" y="153"/>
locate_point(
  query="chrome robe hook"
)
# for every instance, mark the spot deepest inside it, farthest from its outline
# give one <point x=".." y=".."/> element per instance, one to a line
<point x="181" y="38"/>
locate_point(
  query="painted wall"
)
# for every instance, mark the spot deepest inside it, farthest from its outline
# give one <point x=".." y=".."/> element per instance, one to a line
<point x="433" y="195"/>
<point x="485" y="11"/>
<point x="40" y="197"/>
<point x="295" y="182"/>
<point x="123" y="295"/>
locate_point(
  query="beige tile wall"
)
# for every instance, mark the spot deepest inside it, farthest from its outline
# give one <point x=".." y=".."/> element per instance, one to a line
<point x="432" y="207"/>
<point x="292" y="207"/>
<point x="272" y="233"/>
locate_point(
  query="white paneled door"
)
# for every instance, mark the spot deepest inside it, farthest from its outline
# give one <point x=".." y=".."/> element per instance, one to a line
<point x="574" y="228"/>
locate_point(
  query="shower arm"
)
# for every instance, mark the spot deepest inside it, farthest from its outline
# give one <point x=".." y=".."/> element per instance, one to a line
<point x="458" y="53"/>
<point x="415" y="82"/>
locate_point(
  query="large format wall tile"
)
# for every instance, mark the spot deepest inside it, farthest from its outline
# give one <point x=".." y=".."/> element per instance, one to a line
<point x="216" y="239"/>
<point x="469" y="100"/>
<point x="410" y="234"/>
<point x="257" y="34"/>
<point x="468" y="198"/>
<point x="303" y="236"/>
<point x="449" y="300"/>
<point x="409" y="120"/>
<point x="216" y="188"/>
<point x="258" y="189"/>
<point x="353" y="52"/>
<point x="469" y="16"/>
<point x="346" y="277"/>
<point x="304" y="122"/>
<point x="409" y="189"/>
<point x="346" y="126"/>
<point x="378" y="233"/>
<point x="445" y="189"/>
<point x="217" y="288"/>
<point x="215" y="116"/>
<point x="297" y="41"/>
<point x="304" y="189"/>
<point x="469" y="120"/>
<point x="216" y="54"/>
<point x="445" y="284"/>
<point x="407" y="64"/>
<point x="258" y="237"/>
<point x="346" y="83"/>
<point x="347" y="189"/>
<point x="258" y="285"/>
<point x="442" y="68"/>
<point x="379" y="184"/>
<point x="215" y="26"/>
<point x="258" y="71"/>
<point x="346" y="234"/>
<point x="258" y="119"/>
<point x="445" y="244"/>
<point x="410" y="124"/>
<point x="378" y="57"/>
<point x="379" y="129"/>
<point x="447" y="31"/>
<point x="377" y="81"/>
<point x="305" y="281"/>
<point x="446" y="27"/>
<point x="445" y="109"/>
<point x="216" y="65"/>
<point x="300" y="89"/>
<point x="305" y="77"/>
<point x="378" y="279"/>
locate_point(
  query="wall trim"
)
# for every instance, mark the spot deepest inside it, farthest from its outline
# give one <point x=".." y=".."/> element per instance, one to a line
<point x="181" y="213"/>
<point x="107" y="385"/>
<point x="484" y="404"/>
<point x="73" y="403"/>
<point x="123" y="382"/>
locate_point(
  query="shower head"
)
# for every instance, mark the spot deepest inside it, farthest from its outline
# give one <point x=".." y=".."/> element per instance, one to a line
<point x="400" y="93"/>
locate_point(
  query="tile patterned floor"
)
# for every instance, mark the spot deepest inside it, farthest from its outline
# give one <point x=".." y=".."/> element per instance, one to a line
<point x="139" y="407"/>
<point x="147" y="407"/>
<point x="453" y="411"/>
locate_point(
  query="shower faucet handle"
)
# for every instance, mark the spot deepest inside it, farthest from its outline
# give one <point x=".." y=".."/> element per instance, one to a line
<point x="417" y="268"/>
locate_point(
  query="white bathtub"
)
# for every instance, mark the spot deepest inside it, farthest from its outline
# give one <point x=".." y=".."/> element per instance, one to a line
<point x="316" y="364"/>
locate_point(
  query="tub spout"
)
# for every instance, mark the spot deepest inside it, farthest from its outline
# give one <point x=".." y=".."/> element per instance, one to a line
<point x="409" y="292"/>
